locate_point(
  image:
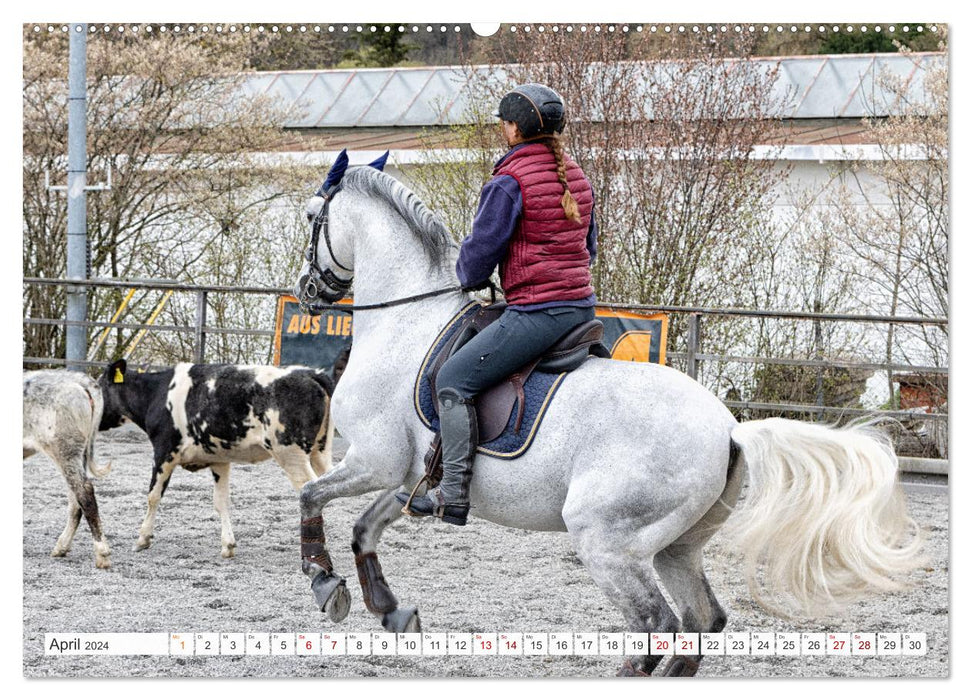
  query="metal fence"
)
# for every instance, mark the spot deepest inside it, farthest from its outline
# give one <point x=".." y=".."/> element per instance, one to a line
<point x="199" y="330"/>
<point x="691" y="357"/>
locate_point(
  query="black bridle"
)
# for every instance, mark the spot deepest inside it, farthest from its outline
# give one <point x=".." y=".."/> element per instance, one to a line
<point x="320" y="278"/>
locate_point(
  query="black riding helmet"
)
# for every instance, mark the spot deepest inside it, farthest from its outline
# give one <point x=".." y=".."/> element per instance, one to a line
<point x="535" y="108"/>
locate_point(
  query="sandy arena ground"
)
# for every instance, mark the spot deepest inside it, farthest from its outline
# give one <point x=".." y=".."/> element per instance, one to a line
<point x="481" y="578"/>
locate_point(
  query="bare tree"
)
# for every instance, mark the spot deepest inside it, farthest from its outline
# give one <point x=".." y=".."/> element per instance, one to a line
<point x="795" y="263"/>
<point x="665" y="130"/>
<point x="668" y="145"/>
<point x="900" y="233"/>
<point x="456" y="162"/>
<point x="167" y="119"/>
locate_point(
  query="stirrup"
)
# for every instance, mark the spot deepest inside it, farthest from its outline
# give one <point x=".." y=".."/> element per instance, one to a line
<point x="452" y="513"/>
<point x="407" y="509"/>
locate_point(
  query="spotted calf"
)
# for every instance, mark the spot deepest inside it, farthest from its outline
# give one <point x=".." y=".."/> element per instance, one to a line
<point x="207" y="416"/>
<point x="62" y="411"/>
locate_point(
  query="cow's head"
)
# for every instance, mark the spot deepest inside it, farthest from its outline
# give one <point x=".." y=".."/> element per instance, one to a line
<point x="112" y="383"/>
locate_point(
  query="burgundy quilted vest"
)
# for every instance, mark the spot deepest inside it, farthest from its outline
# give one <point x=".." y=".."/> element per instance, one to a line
<point x="547" y="258"/>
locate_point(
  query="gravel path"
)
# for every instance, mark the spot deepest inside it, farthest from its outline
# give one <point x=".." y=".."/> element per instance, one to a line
<point x="481" y="578"/>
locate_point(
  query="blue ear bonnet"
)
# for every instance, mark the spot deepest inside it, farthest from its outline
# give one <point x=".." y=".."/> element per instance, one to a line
<point x="339" y="167"/>
<point x="336" y="173"/>
<point x="379" y="163"/>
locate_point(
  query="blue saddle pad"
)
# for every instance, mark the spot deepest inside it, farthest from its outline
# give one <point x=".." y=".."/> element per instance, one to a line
<point x="539" y="391"/>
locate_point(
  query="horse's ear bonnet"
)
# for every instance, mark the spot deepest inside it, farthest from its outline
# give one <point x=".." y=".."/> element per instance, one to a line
<point x="336" y="173"/>
<point x="338" y="169"/>
<point x="380" y="162"/>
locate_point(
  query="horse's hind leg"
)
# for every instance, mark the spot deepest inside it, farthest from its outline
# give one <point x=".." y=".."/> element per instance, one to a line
<point x="681" y="571"/>
<point x="629" y="582"/>
<point x="377" y="594"/>
<point x="680" y="566"/>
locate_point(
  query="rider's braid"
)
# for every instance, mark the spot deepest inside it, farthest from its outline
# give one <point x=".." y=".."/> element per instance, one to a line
<point x="569" y="204"/>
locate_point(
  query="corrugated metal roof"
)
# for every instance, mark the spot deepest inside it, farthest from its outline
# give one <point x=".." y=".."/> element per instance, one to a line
<point x="809" y="132"/>
<point x="811" y="87"/>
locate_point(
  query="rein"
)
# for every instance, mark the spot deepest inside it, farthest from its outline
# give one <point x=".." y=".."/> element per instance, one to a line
<point x="326" y="277"/>
<point x="398" y="302"/>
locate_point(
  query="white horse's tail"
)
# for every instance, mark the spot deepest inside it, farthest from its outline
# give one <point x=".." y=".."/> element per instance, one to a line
<point x="824" y="521"/>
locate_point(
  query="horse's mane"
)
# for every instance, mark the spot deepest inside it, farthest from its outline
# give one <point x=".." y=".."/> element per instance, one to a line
<point x="427" y="226"/>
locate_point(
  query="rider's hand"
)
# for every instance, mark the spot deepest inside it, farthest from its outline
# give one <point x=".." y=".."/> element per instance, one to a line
<point x="478" y="287"/>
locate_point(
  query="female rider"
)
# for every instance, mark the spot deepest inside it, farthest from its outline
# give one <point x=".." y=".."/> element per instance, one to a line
<point x="535" y="221"/>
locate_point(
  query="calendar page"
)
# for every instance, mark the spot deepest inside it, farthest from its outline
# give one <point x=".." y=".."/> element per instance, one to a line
<point x="753" y="182"/>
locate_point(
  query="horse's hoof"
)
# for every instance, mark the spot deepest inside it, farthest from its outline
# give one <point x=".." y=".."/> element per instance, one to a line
<point x="59" y="552"/>
<point x="103" y="563"/>
<point x="331" y="595"/>
<point x="680" y="667"/>
<point x="142" y="543"/>
<point x="229" y="552"/>
<point x="402" y="620"/>
<point x="338" y="605"/>
<point x="628" y="671"/>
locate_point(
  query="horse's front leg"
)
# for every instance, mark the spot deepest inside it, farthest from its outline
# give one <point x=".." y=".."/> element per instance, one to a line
<point x="347" y="479"/>
<point x="377" y="594"/>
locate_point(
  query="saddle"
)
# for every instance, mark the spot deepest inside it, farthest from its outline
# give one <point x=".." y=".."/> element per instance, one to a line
<point x="494" y="407"/>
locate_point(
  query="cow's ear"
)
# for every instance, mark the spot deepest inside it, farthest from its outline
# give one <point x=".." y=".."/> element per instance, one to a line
<point x="380" y="162"/>
<point x="117" y="371"/>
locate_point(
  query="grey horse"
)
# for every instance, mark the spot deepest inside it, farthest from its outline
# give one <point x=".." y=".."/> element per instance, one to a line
<point x="639" y="463"/>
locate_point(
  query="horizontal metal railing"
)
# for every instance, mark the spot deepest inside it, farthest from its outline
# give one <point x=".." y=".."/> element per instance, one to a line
<point x="147" y="326"/>
<point x="155" y="284"/>
<point x="199" y="329"/>
<point x="768" y="313"/>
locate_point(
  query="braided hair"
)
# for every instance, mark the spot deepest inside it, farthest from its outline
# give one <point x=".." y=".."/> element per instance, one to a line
<point x="570" y="207"/>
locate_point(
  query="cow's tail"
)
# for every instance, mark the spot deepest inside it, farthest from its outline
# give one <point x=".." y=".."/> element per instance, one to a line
<point x="322" y="460"/>
<point x="97" y="406"/>
<point x="325" y="381"/>
<point x="92" y="466"/>
<point x="824" y="521"/>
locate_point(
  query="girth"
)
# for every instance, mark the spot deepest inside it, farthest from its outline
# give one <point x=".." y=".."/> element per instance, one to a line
<point x="495" y="405"/>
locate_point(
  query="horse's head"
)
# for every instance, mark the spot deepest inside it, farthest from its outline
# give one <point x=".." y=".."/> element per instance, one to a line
<point x="328" y="270"/>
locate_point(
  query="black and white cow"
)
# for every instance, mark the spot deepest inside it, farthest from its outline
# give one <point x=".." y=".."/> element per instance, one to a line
<point x="200" y="416"/>
<point x="62" y="411"/>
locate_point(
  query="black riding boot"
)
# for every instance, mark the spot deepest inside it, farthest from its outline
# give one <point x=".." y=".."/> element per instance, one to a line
<point x="460" y="436"/>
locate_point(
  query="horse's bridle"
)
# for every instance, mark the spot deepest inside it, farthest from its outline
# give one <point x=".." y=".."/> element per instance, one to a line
<point x="319" y="278"/>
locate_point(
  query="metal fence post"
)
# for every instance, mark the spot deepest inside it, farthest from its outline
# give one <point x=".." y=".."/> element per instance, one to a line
<point x="202" y="298"/>
<point x="818" y="338"/>
<point x="694" y="334"/>
<point x="77" y="168"/>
